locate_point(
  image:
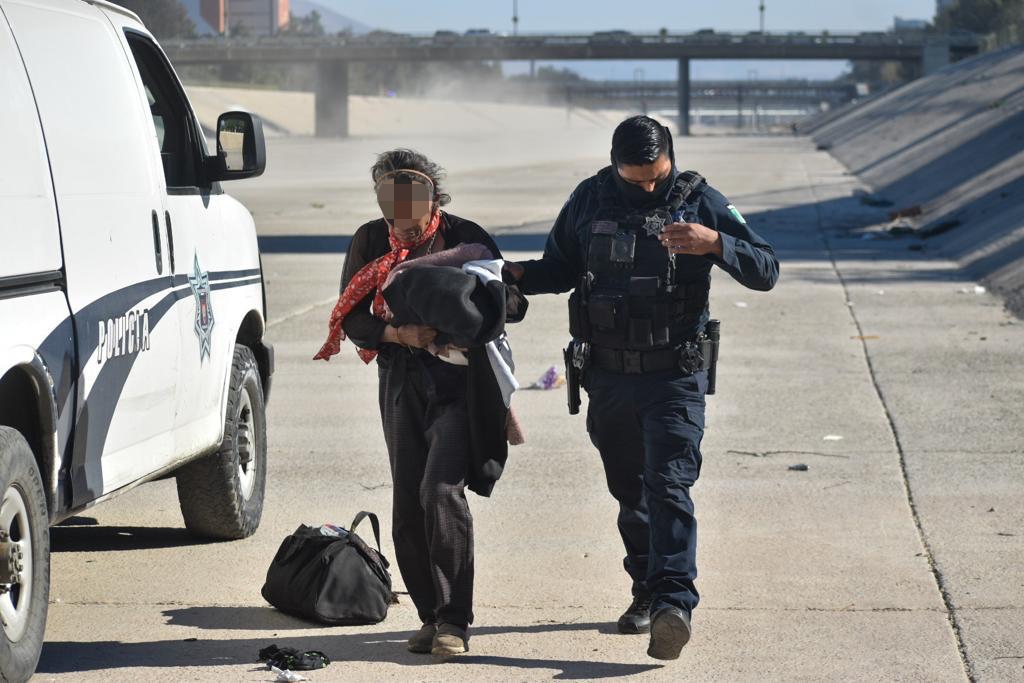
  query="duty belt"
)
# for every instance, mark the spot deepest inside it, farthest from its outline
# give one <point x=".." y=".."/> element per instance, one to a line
<point x="690" y="357"/>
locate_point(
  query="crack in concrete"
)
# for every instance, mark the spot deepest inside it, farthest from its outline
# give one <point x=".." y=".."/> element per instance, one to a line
<point x="300" y="312"/>
<point x="940" y="581"/>
<point x="768" y="454"/>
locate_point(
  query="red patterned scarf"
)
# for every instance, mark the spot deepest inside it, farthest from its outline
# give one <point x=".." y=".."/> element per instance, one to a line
<point x="369" y="278"/>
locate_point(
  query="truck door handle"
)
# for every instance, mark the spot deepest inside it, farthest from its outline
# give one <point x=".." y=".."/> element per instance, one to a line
<point x="170" y="240"/>
<point x="156" y="244"/>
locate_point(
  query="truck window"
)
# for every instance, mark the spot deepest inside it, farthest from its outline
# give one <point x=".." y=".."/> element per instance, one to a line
<point x="175" y="126"/>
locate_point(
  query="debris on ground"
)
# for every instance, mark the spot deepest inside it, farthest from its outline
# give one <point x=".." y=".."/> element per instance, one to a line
<point x="978" y="289"/>
<point x="832" y="437"/>
<point x="286" y="675"/>
<point x="799" y="467"/>
<point x="741" y="304"/>
<point x="551" y="379"/>
<point x="288" y="658"/>
<point x="940" y="227"/>
<point x="875" y="200"/>
<point x="905" y="212"/>
<point x="902" y="228"/>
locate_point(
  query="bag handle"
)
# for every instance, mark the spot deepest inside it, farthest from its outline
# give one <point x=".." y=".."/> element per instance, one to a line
<point x="373" y="521"/>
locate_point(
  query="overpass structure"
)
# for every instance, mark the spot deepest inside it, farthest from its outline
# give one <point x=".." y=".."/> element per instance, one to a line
<point x="711" y="92"/>
<point x="333" y="54"/>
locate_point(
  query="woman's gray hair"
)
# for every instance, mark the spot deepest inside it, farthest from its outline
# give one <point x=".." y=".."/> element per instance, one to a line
<point x="392" y="162"/>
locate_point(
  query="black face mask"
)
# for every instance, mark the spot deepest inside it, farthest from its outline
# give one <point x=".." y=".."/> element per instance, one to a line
<point x="638" y="198"/>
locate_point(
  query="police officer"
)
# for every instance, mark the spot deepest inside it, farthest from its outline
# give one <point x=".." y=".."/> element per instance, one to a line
<point x="636" y="244"/>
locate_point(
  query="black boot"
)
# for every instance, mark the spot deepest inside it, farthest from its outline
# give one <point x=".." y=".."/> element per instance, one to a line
<point x="670" y="631"/>
<point x="637" y="618"/>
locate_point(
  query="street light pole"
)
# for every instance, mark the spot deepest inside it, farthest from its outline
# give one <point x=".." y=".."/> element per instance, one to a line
<point x="762" y="16"/>
<point x="515" y="17"/>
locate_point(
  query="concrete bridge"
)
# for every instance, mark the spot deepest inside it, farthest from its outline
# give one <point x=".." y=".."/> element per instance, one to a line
<point x="710" y="92"/>
<point x="332" y="54"/>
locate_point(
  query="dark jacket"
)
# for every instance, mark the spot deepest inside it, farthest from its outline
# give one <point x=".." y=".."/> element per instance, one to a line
<point x="488" y="416"/>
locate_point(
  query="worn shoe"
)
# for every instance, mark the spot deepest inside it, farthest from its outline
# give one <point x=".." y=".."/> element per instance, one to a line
<point x="637" y="618"/>
<point x="670" y="631"/>
<point x="450" y="640"/>
<point x="422" y="642"/>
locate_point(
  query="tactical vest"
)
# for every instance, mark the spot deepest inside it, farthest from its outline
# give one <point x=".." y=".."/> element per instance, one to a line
<point x="631" y="296"/>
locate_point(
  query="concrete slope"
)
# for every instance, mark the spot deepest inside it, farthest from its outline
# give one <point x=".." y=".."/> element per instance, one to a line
<point x="953" y="144"/>
<point x="292" y="113"/>
<point x="944" y="358"/>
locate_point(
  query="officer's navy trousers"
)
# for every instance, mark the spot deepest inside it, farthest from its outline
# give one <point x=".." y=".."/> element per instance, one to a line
<point x="648" y="428"/>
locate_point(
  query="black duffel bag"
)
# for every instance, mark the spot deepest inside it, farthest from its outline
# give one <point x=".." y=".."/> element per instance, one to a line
<point x="330" y="579"/>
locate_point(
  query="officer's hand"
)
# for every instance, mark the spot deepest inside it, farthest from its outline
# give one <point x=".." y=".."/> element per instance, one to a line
<point x="691" y="238"/>
<point x="416" y="336"/>
<point x="514" y="270"/>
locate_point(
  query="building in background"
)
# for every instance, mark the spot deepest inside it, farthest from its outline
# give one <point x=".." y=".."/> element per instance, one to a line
<point x="253" y="17"/>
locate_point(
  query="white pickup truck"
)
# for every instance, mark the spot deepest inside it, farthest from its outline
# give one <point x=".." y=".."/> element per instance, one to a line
<point x="132" y="306"/>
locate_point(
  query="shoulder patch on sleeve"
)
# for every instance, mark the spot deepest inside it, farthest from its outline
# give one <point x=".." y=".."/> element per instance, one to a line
<point x="736" y="214"/>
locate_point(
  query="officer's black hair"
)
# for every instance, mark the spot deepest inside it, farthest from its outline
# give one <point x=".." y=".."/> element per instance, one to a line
<point x="640" y="140"/>
<point x="402" y="158"/>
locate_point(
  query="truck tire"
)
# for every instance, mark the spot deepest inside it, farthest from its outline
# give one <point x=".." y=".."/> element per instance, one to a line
<point x="24" y="558"/>
<point x="221" y="495"/>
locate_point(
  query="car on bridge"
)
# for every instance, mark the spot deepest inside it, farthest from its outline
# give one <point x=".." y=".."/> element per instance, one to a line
<point x="132" y="304"/>
<point x="612" y="37"/>
<point x="446" y="37"/>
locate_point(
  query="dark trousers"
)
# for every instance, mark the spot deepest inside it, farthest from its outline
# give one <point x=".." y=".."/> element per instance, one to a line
<point x="648" y="429"/>
<point x="427" y="436"/>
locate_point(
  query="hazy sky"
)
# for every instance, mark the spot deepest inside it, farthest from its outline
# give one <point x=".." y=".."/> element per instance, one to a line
<point x="427" y="16"/>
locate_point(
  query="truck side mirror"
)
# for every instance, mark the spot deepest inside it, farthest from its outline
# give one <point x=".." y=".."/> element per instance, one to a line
<point x="241" y="147"/>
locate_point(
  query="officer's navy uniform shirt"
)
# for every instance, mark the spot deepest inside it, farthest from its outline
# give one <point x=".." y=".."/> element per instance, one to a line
<point x="746" y="256"/>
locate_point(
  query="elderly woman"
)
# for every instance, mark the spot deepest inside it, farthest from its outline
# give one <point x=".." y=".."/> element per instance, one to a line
<point x="438" y="442"/>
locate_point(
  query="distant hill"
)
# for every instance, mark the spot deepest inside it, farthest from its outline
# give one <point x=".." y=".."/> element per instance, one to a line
<point x="332" y="21"/>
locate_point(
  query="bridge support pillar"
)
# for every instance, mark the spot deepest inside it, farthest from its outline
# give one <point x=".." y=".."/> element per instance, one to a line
<point x="683" y="95"/>
<point x="934" y="56"/>
<point x="331" y="99"/>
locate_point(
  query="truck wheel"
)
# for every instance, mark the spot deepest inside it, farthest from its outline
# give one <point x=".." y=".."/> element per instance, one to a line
<point x="221" y="495"/>
<point x="24" y="558"/>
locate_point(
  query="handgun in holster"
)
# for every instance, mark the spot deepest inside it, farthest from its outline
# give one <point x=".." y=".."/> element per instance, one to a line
<point x="709" y="341"/>
<point x="577" y="358"/>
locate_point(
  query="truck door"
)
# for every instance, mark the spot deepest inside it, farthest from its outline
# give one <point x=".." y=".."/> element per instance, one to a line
<point x="110" y="206"/>
<point x="193" y="218"/>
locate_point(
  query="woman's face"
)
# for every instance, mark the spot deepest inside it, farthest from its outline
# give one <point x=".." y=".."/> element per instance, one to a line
<point x="407" y="205"/>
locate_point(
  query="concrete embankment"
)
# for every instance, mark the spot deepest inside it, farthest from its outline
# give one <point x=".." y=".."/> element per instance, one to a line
<point x="292" y="113"/>
<point x="948" y="152"/>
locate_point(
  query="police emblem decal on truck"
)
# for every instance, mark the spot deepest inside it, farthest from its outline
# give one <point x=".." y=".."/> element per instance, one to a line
<point x="126" y="335"/>
<point x="200" y="282"/>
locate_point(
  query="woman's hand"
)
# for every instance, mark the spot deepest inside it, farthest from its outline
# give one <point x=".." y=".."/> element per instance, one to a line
<point x="514" y="270"/>
<point x="415" y="336"/>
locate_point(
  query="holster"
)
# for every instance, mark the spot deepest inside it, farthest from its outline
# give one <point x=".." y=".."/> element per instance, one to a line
<point x="577" y="358"/>
<point x="709" y="342"/>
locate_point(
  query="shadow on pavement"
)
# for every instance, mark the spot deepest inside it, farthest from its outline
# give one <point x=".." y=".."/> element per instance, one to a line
<point x="84" y="538"/>
<point x="244" y="618"/>
<point x="69" y="657"/>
